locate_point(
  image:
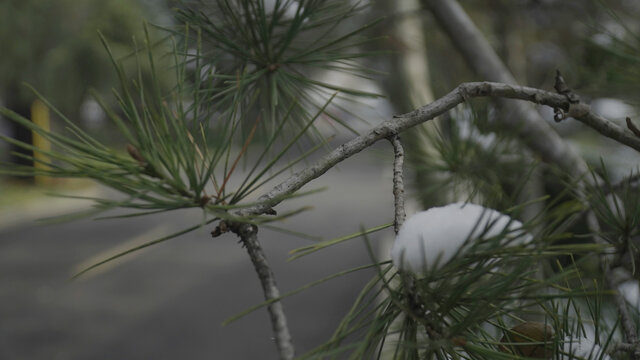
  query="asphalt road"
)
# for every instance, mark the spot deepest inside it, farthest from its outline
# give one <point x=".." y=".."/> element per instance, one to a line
<point x="168" y="302"/>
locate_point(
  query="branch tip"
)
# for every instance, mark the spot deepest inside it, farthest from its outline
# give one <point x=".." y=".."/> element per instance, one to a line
<point x="222" y="228"/>
<point x="631" y="126"/>
<point x="561" y="85"/>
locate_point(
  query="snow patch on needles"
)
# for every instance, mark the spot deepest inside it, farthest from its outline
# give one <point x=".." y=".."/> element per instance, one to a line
<point x="429" y="239"/>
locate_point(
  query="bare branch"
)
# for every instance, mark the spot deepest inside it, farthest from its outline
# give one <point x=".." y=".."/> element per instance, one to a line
<point x="538" y="136"/>
<point x="398" y="182"/>
<point x="249" y="236"/>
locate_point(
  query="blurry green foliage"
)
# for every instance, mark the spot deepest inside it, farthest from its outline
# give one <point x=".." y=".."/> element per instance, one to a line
<point x="54" y="46"/>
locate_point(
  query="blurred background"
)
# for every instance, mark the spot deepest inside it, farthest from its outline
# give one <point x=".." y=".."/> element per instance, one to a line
<point x="169" y="301"/>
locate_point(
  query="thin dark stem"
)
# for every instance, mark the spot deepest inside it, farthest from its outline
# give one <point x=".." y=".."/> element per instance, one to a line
<point x="398" y="182"/>
<point x="249" y="236"/>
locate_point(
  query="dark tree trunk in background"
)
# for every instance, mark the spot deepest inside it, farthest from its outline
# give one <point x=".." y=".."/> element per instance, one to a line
<point x="23" y="107"/>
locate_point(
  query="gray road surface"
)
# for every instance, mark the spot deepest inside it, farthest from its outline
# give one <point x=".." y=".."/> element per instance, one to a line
<point x="168" y="302"/>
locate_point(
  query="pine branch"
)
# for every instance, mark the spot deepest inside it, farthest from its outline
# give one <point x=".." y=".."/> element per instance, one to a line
<point x="538" y="137"/>
<point x="390" y="129"/>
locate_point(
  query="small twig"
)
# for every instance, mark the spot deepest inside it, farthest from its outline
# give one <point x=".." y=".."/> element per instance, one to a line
<point x="634" y="129"/>
<point x="562" y="88"/>
<point x="249" y="236"/>
<point x="398" y="182"/>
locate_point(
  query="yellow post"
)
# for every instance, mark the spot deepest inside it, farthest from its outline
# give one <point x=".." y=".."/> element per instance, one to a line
<point x="40" y="117"/>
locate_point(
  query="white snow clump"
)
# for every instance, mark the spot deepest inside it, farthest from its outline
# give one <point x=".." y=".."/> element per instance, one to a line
<point x="429" y="239"/>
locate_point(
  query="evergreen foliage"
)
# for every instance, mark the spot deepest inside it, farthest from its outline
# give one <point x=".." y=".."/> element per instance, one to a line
<point x="258" y="57"/>
<point x="245" y="71"/>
